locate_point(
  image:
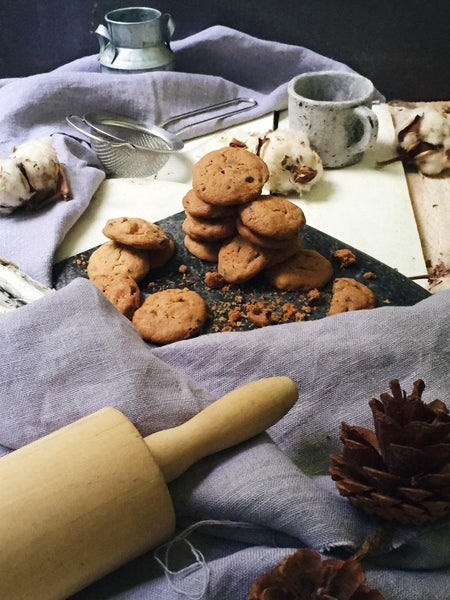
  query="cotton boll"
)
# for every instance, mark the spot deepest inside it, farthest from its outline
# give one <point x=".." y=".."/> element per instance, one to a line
<point x="14" y="187"/>
<point x="294" y="166"/>
<point x="40" y="163"/>
<point x="424" y="140"/>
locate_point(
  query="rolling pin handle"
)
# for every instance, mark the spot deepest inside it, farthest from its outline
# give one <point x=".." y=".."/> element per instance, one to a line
<point x="234" y="418"/>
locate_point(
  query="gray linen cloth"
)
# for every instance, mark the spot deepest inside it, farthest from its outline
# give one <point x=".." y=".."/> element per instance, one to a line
<point x="212" y="66"/>
<point x="70" y="353"/>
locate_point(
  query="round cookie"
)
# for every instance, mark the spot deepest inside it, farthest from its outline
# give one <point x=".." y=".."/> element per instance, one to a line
<point x="208" y="251"/>
<point x="272" y="216"/>
<point x="209" y="229"/>
<point x="135" y="232"/>
<point x="198" y="208"/>
<point x="349" y="294"/>
<point x="112" y="258"/>
<point x="170" y="315"/>
<point x="276" y="257"/>
<point x="158" y="258"/>
<point x="122" y="291"/>
<point x="229" y="176"/>
<point x="240" y="260"/>
<point x="263" y="240"/>
<point x="305" y="270"/>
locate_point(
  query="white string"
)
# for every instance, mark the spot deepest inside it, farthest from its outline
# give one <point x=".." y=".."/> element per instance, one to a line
<point x="199" y="564"/>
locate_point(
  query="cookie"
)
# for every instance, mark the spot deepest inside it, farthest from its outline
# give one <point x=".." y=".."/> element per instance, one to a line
<point x="272" y="216"/>
<point x="170" y="315"/>
<point x="198" y="208"/>
<point x="158" y="258"/>
<point x="209" y="229"/>
<point x="229" y="176"/>
<point x="276" y="257"/>
<point x="208" y="251"/>
<point x="263" y="240"/>
<point x="349" y="294"/>
<point x="240" y="260"/>
<point x="112" y="258"/>
<point x="122" y="291"/>
<point x="305" y="270"/>
<point x="135" y="232"/>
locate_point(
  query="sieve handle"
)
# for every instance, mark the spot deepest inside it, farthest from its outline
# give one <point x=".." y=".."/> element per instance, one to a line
<point x="80" y="125"/>
<point x="199" y="111"/>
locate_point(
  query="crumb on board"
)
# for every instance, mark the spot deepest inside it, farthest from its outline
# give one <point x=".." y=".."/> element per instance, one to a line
<point x="214" y="280"/>
<point x="369" y="275"/>
<point x="313" y="297"/>
<point x="344" y="256"/>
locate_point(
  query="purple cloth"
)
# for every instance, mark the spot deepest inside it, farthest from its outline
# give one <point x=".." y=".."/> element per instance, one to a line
<point x="72" y="353"/>
<point x="214" y="65"/>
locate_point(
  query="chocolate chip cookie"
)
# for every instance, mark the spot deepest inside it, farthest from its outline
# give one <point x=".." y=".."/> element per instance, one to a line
<point x="198" y="208"/>
<point x="208" y="251"/>
<point x="229" y="176"/>
<point x="158" y="258"/>
<point x="135" y="232"/>
<point x="113" y="258"/>
<point x="240" y="260"/>
<point x="272" y="216"/>
<point x="349" y="294"/>
<point x="263" y="240"/>
<point x="209" y="230"/>
<point x="305" y="270"/>
<point x="170" y="315"/>
<point x="122" y="291"/>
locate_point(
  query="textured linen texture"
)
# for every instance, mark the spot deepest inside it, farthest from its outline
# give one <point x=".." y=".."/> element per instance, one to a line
<point x="70" y="353"/>
<point x="212" y="66"/>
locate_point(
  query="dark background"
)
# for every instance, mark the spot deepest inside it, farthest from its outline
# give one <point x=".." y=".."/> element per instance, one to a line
<point x="402" y="45"/>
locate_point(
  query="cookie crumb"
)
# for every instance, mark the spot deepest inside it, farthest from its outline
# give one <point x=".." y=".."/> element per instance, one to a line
<point x="313" y="297"/>
<point x="259" y="314"/>
<point x="234" y="316"/>
<point x="183" y="269"/>
<point x="369" y="275"/>
<point x="289" y="311"/>
<point x="300" y="316"/>
<point x="214" y="280"/>
<point x="344" y="256"/>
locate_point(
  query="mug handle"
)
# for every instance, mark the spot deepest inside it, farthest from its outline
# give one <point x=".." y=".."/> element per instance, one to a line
<point x="369" y="121"/>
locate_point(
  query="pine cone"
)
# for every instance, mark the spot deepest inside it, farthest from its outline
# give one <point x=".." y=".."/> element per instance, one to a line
<point x="400" y="471"/>
<point x="304" y="576"/>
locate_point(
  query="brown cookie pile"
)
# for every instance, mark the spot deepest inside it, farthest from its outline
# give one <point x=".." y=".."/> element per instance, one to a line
<point x="116" y="267"/>
<point x="230" y="222"/>
<point x="222" y="180"/>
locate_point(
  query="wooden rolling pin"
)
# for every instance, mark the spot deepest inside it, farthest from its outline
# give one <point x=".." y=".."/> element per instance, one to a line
<point x="86" y="499"/>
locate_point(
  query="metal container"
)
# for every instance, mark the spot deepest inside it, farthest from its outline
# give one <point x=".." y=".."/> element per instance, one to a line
<point x="136" y="40"/>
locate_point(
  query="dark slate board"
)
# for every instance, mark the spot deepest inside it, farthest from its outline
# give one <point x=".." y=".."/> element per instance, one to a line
<point x="389" y="286"/>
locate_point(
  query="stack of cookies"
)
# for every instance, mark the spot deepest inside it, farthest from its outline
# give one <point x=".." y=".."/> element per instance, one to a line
<point x="222" y="180"/>
<point x="117" y="266"/>
<point x="256" y="233"/>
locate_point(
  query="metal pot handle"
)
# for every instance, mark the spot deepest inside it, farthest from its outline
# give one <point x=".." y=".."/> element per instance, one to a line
<point x="103" y="36"/>
<point x="168" y="27"/>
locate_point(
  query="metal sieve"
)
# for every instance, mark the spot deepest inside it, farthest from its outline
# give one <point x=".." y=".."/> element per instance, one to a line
<point x="127" y="148"/>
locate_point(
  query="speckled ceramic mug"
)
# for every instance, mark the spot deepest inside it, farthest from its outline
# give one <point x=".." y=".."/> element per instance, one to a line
<point x="333" y="108"/>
